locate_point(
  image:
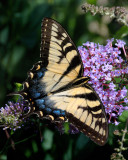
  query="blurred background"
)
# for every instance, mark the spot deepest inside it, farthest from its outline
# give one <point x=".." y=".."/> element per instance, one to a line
<point x="20" y="32"/>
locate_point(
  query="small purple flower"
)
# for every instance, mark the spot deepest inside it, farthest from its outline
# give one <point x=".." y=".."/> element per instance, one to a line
<point x="120" y="43"/>
<point x="108" y="77"/>
<point x="126" y="100"/>
<point x="93" y="45"/>
<point x="106" y="67"/>
<point x="117" y="73"/>
<point x="73" y="129"/>
<point x="103" y="64"/>
<point x="86" y="44"/>
<point x="123" y="92"/>
<point x="112" y="86"/>
<point x="109" y="41"/>
<point x="10" y="116"/>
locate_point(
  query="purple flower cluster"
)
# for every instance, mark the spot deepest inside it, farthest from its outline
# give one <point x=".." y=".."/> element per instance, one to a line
<point x="107" y="71"/>
<point x="10" y="116"/>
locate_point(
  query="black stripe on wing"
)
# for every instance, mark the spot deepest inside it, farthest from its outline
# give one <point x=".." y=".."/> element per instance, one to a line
<point x="91" y="97"/>
<point x="54" y="32"/>
<point x="87" y="130"/>
<point x="94" y="124"/>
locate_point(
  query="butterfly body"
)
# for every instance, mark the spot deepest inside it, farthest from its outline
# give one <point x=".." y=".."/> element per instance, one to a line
<point x="56" y="86"/>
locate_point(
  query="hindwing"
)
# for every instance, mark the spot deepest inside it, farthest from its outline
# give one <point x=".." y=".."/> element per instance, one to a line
<point x="84" y="109"/>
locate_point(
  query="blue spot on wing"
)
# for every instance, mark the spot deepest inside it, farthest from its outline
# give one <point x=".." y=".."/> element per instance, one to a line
<point x="36" y="86"/>
<point x="39" y="74"/>
<point x="35" y="95"/>
<point x="34" y="92"/>
<point x="57" y="112"/>
<point x="39" y="101"/>
<point x="40" y="104"/>
<point x="48" y="110"/>
<point x="42" y="107"/>
<point x="63" y="113"/>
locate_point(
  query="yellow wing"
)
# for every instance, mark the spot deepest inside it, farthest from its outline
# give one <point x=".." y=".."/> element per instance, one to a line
<point x="59" y="56"/>
<point x="83" y="109"/>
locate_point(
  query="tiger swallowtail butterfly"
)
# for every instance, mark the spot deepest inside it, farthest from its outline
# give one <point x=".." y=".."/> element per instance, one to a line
<point x="56" y="88"/>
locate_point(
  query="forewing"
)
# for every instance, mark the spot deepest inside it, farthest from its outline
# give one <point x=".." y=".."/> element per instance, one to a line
<point x="59" y="67"/>
<point x="59" y="56"/>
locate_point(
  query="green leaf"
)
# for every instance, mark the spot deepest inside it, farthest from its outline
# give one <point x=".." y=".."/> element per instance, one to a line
<point x="39" y="12"/>
<point x="68" y="153"/>
<point x="4" y="35"/>
<point x="28" y="153"/>
<point x="92" y="2"/>
<point x="124" y="116"/>
<point x="123" y="32"/>
<point x="48" y="157"/>
<point x="81" y="142"/>
<point x="112" y="127"/>
<point x="18" y="86"/>
<point x="48" y="140"/>
<point x="66" y="127"/>
<point x="3" y="157"/>
<point x="117" y="79"/>
<point x="12" y="132"/>
<point x="12" y="58"/>
<point x="33" y="26"/>
<point x="34" y="146"/>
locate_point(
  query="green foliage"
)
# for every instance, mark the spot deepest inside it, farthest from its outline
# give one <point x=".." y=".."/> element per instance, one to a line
<point x="3" y="157"/>
<point x="124" y="116"/>
<point x="122" y="32"/>
<point x="66" y="127"/>
<point x="18" y="86"/>
<point x="92" y="2"/>
<point x="20" y="29"/>
<point x="48" y="140"/>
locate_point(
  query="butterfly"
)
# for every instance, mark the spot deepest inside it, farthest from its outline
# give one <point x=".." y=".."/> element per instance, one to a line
<point x="55" y="87"/>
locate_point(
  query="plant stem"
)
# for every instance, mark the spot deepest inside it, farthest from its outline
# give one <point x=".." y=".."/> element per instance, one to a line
<point x="8" y="137"/>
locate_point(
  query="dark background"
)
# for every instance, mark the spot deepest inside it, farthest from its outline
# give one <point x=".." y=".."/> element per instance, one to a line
<point x="20" y="32"/>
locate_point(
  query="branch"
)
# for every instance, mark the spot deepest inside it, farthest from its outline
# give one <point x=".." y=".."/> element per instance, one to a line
<point x="119" y="13"/>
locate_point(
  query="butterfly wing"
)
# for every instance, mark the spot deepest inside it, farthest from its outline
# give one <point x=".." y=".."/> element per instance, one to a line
<point x="83" y="108"/>
<point x="59" y="56"/>
<point x="60" y="63"/>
